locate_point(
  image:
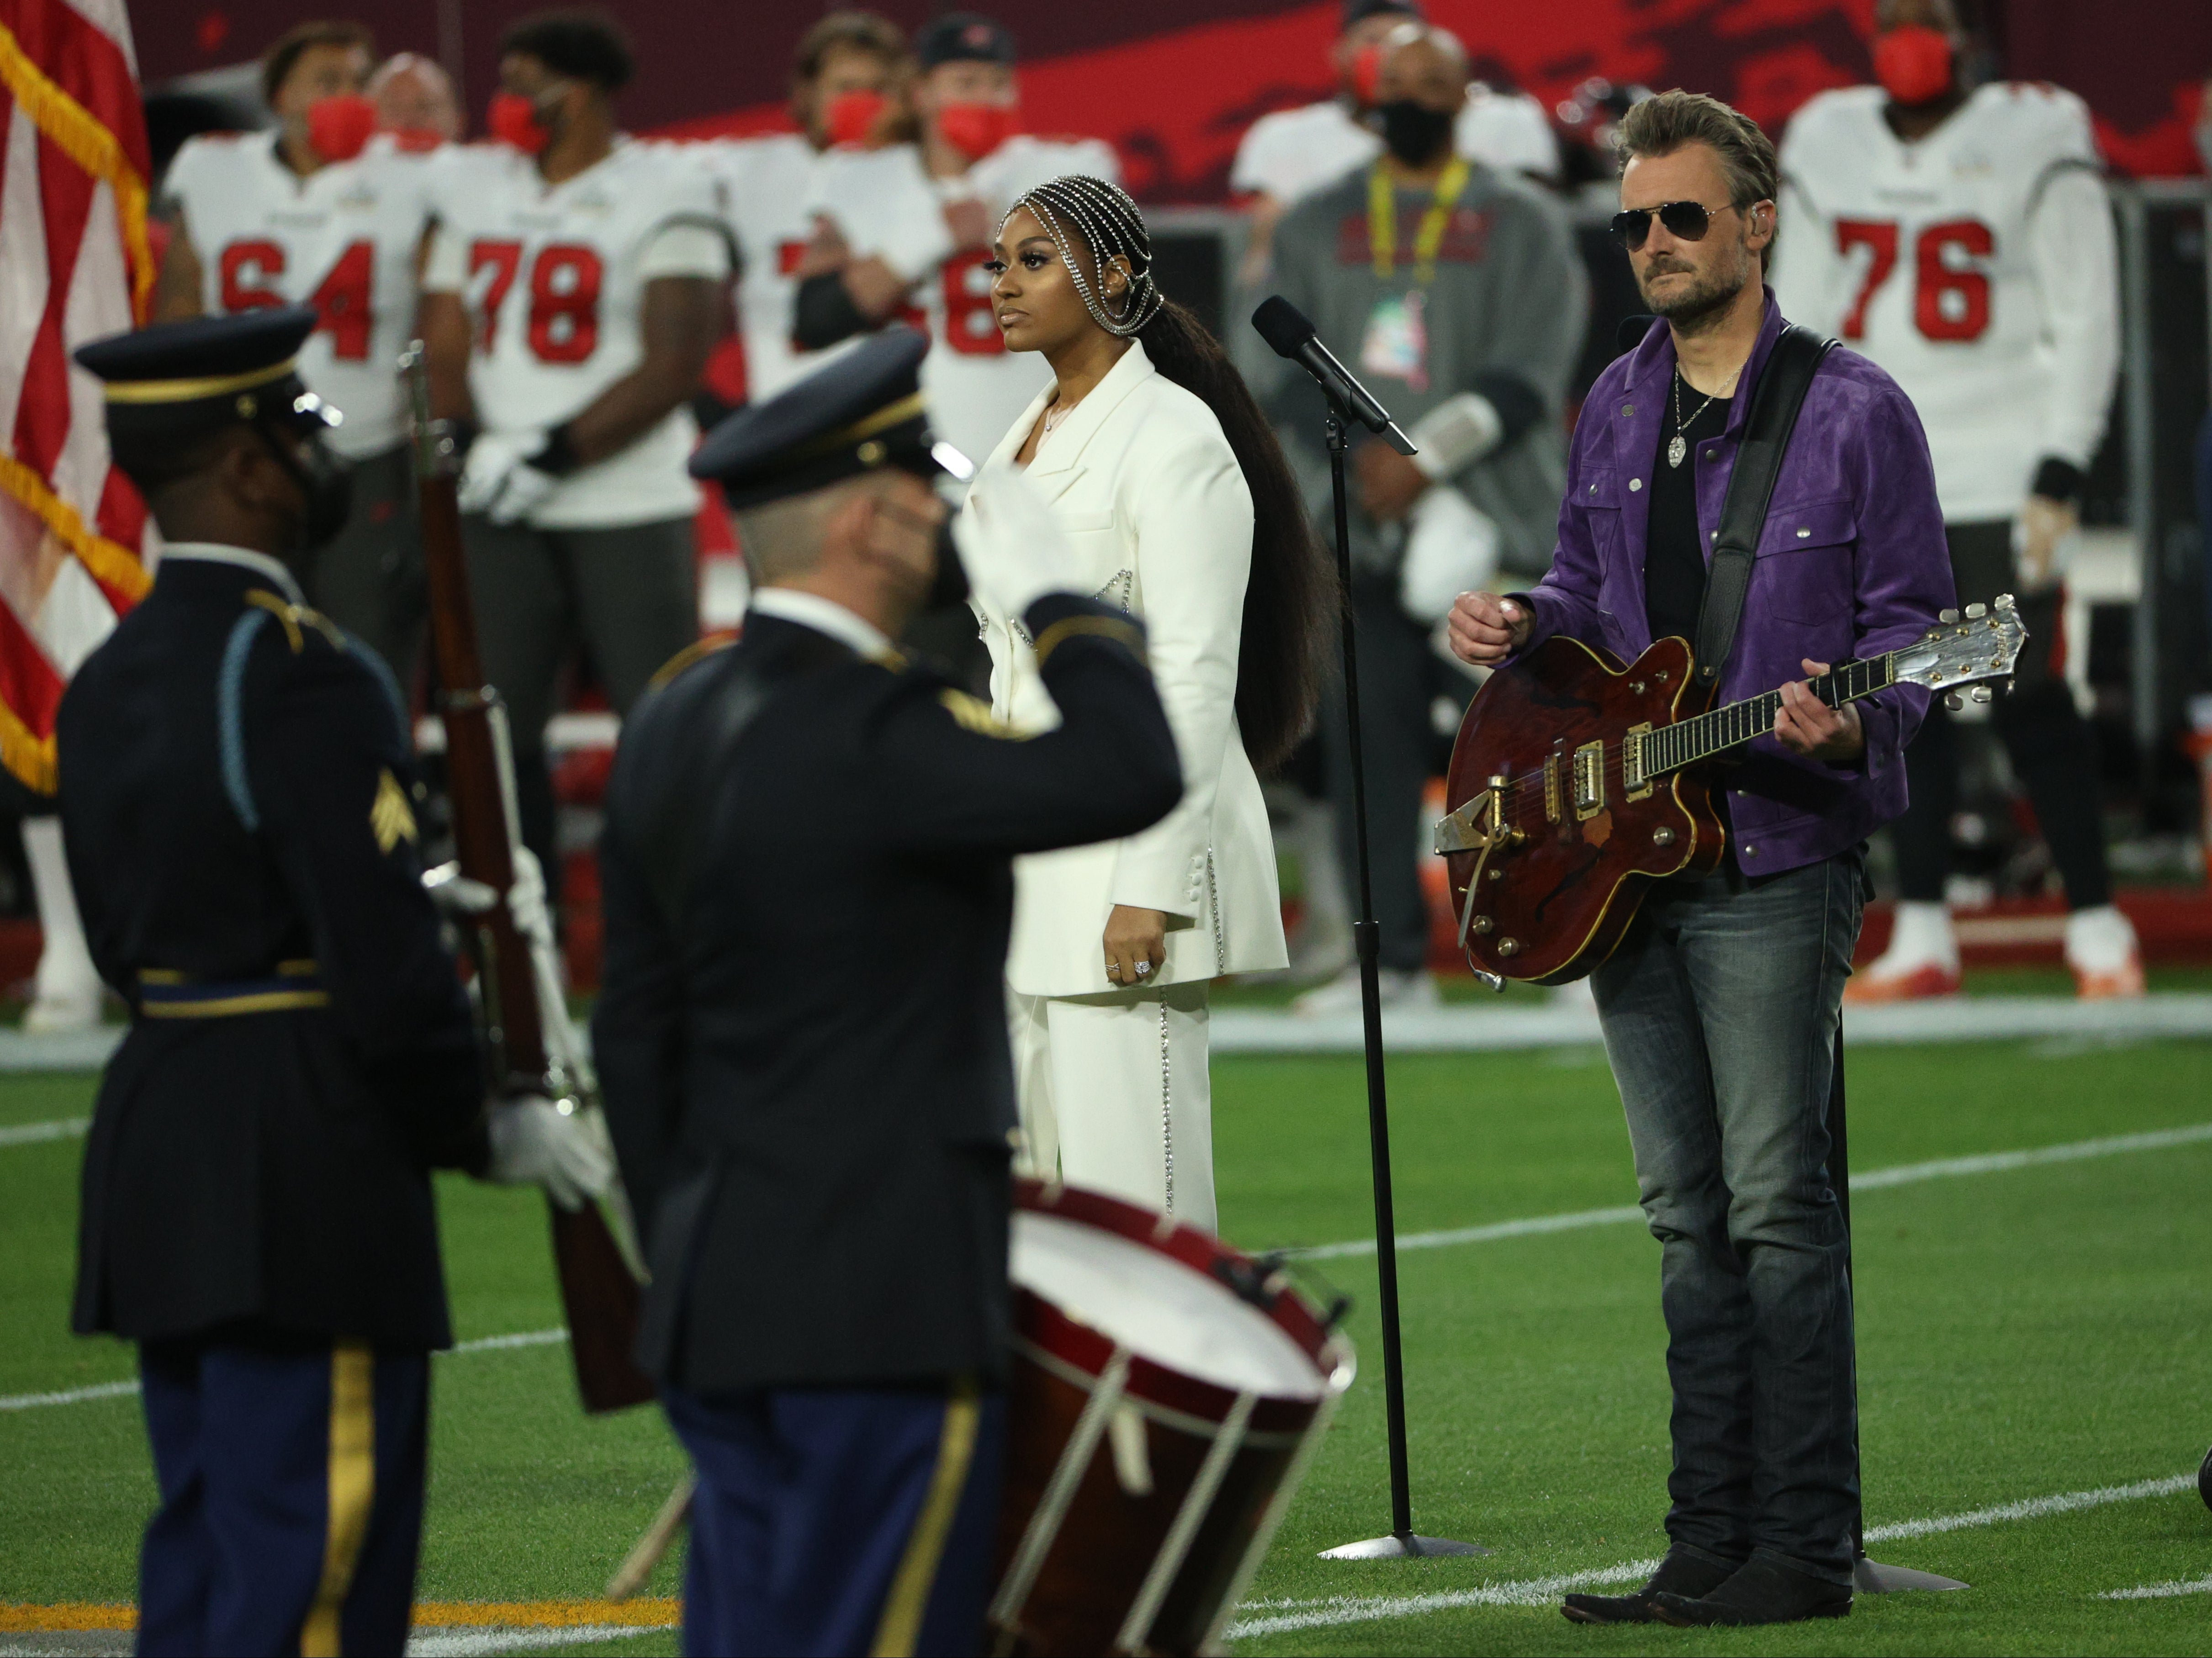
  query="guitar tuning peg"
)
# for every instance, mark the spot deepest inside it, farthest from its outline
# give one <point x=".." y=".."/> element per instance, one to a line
<point x="1947" y="617"/>
<point x="2004" y="602"/>
<point x="1976" y="612"/>
<point x="1953" y="702"/>
<point x="1981" y="693"/>
<point x="2007" y="685"/>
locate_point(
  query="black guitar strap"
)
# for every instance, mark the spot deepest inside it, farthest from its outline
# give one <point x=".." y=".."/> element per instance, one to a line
<point x="1775" y="402"/>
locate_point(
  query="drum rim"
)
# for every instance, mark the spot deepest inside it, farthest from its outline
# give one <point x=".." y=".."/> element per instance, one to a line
<point x="1288" y="1308"/>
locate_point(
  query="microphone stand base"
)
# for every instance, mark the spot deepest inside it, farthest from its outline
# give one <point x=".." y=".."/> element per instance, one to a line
<point x="1872" y="1577"/>
<point x="1403" y="1545"/>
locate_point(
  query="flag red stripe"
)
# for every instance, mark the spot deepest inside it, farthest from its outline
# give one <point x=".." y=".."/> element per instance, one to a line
<point x="86" y="64"/>
<point x="28" y="683"/>
<point x="42" y="417"/>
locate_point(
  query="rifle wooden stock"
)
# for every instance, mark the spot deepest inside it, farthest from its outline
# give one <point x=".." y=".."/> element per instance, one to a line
<point x="599" y="1292"/>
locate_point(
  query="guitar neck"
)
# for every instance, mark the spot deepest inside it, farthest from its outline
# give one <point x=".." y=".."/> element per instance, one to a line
<point x="1703" y="736"/>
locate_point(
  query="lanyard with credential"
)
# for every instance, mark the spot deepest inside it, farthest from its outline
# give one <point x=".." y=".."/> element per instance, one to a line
<point x="1382" y="222"/>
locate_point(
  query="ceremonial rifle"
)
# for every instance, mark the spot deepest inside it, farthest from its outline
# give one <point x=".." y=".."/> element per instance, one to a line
<point x="600" y="1289"/>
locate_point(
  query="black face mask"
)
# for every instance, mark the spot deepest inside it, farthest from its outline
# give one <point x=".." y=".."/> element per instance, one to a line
<point x="1413" y="132"/>
<point x="325" y="481"/>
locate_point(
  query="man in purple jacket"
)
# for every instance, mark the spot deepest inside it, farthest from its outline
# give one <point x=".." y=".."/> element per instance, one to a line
<point x="1721" y="1005"/>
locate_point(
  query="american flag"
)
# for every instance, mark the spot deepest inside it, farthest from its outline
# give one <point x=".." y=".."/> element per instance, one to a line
<point x="75" y="265"/>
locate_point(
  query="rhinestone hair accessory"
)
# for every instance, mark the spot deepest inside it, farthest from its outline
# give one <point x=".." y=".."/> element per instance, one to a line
<point x="1106" y="218"/>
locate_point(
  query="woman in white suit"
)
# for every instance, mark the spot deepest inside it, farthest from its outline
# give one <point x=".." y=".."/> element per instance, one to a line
<point x="1176" y="504"/>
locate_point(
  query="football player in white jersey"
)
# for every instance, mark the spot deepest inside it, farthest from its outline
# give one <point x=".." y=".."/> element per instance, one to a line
<point x="1963" y="241"/>
<point x="1287" y="155"/>
<point x="907" y="229"/>
<point x="572" y="293"/>
<point x="844" y="75"/>
<point x="315" y="212"/>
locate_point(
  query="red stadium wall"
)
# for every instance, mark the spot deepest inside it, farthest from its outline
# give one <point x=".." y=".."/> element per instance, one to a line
<point x="1174" y="82"/>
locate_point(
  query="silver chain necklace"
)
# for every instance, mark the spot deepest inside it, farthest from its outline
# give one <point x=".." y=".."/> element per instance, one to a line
<point x="1678" y="446"/>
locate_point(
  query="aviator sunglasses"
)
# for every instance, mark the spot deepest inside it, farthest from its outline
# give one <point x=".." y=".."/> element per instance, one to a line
<point x="1684" y="221"/>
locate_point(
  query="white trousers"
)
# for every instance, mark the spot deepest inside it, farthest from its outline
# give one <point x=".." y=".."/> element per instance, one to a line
<point x="1115" y="1095"/>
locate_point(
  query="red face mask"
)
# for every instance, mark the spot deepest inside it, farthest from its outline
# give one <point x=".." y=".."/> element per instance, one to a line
<point x="338" y="127"/>
<point x="1913" y="62"/>
<point x="415" y="141"/>
<point x="514" y="121"/>
<point x="1366" y="74"/>
<point x="851" y="117"/>
<point x="975" y="130"/>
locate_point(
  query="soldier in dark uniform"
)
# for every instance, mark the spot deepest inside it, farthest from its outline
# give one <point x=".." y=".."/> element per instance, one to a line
<point x="802" y="1031"/>
<point x="239" y="802"/>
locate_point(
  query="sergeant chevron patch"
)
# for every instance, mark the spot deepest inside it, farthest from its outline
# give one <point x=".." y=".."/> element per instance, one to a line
<point x="390" y="819"/>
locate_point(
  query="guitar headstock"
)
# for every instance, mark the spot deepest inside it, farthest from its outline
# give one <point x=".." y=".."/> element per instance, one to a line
<point x="1966" y="650"/>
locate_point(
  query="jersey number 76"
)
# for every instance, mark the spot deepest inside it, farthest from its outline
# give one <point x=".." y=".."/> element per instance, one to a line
<point x="565" y="279"/>
<point x="1949" y="302"/>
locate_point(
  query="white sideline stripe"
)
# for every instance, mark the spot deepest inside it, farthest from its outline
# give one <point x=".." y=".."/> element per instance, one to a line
<point x="1536" y="1591"/>
<point x="30" y="1133"/>
<point x="130" y="1389"/>
<point x="2161" y="1591"/>
<point x="1473" y="1028"/>
<point x="1908" y="1174"/>
<point x="476" y="1642"/>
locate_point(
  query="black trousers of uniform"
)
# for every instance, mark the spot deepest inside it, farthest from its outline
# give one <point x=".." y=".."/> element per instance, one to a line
<point x="291" y="1475"/>
<point x="628" y="596"/>
<point x="2052" y="750"/>
<point x="1399" y="677"/>
<point x="369" y="579"/>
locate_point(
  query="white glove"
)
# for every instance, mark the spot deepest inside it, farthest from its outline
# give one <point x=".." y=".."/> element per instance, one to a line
<point x="1451" y="547"/>
<point x="499" y="480"/>
<point x="1011" y="546"/>
<point x="526" y="901"/>
<point x="533" y="1141"/>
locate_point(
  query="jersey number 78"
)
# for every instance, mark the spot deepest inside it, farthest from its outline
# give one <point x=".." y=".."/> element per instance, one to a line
<point x="565" y="279"/>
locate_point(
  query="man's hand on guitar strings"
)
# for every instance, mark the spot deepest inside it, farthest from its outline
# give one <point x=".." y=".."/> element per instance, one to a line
<point x="1486" y="630"/>
<point x="1805" y="724"/>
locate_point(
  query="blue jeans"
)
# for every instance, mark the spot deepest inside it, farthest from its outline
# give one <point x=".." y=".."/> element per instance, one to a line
<point x="1720" y="1012"/>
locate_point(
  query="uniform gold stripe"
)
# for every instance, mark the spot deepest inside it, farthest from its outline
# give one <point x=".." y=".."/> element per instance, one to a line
<point x="353" y="1492"/>
<point x="867" y="426"/>
<point x="224" y="1007"/>
<point x="1104" y="627"/>
<point x="198" y="386"/>
<point x="908" y="1601"/>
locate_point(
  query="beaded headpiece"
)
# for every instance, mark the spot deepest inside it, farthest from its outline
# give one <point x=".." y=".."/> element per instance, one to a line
<point x="1106" y="218"/>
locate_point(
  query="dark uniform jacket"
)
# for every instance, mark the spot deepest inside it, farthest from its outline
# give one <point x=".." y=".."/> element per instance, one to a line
<point x="802" y="1032"/>
<point x="237" y="800"/>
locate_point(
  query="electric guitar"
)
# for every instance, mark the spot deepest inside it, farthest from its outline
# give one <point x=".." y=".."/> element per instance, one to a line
<point x="1576" y="781"/>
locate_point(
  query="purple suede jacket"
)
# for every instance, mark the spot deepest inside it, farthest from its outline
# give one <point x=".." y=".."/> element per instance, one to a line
<point x="1852" y="563"/>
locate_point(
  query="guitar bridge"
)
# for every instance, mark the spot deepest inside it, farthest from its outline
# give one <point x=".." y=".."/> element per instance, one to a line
<point x="1589" y="781"/>
<point x="1635" y="781"/>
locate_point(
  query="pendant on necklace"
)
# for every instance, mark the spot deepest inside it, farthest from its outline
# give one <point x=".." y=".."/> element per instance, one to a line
<point x="1676" y="449"/>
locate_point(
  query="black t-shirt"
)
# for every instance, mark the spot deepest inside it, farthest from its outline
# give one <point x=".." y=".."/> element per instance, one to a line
<point x="1673" y="561"/>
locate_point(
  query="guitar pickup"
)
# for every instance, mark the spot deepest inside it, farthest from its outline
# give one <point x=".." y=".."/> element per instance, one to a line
<point x="1589" y="781"/>
<point x="1635" y="776"/>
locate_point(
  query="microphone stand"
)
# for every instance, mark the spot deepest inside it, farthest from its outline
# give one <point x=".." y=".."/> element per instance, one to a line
<point x="1402" y="1543"/>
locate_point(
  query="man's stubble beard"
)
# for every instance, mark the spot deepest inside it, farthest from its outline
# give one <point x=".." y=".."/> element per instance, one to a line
<point x="1706" y="300"/>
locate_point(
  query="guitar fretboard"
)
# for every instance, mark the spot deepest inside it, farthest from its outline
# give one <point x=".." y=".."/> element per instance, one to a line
<point x="1703" y="736"/>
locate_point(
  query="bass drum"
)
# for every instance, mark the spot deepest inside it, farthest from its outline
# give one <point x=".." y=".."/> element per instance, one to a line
<point x="1167" y="1392"/>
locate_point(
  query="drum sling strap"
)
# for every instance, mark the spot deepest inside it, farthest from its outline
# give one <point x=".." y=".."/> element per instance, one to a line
<point x="1775" y="402"/>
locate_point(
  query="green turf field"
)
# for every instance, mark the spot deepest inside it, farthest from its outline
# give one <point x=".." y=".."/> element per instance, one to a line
<point x="2025" y="1333"/>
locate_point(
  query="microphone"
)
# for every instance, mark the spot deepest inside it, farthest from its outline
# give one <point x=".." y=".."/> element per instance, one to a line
<point x="1287" y="331"/>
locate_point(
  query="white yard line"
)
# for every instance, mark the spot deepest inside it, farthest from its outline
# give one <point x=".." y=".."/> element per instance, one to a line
<point x="1874" y="1180"/>
<point x="1282" y="1617"/>
<point x="31" y="1134"/>
<point x="130" y="1389"/>
<point x="481" y="1643"/>
<point x="2161" y="1591"/>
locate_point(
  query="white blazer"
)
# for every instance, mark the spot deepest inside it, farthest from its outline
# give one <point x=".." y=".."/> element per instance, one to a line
<point x="1159" y="522"/>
